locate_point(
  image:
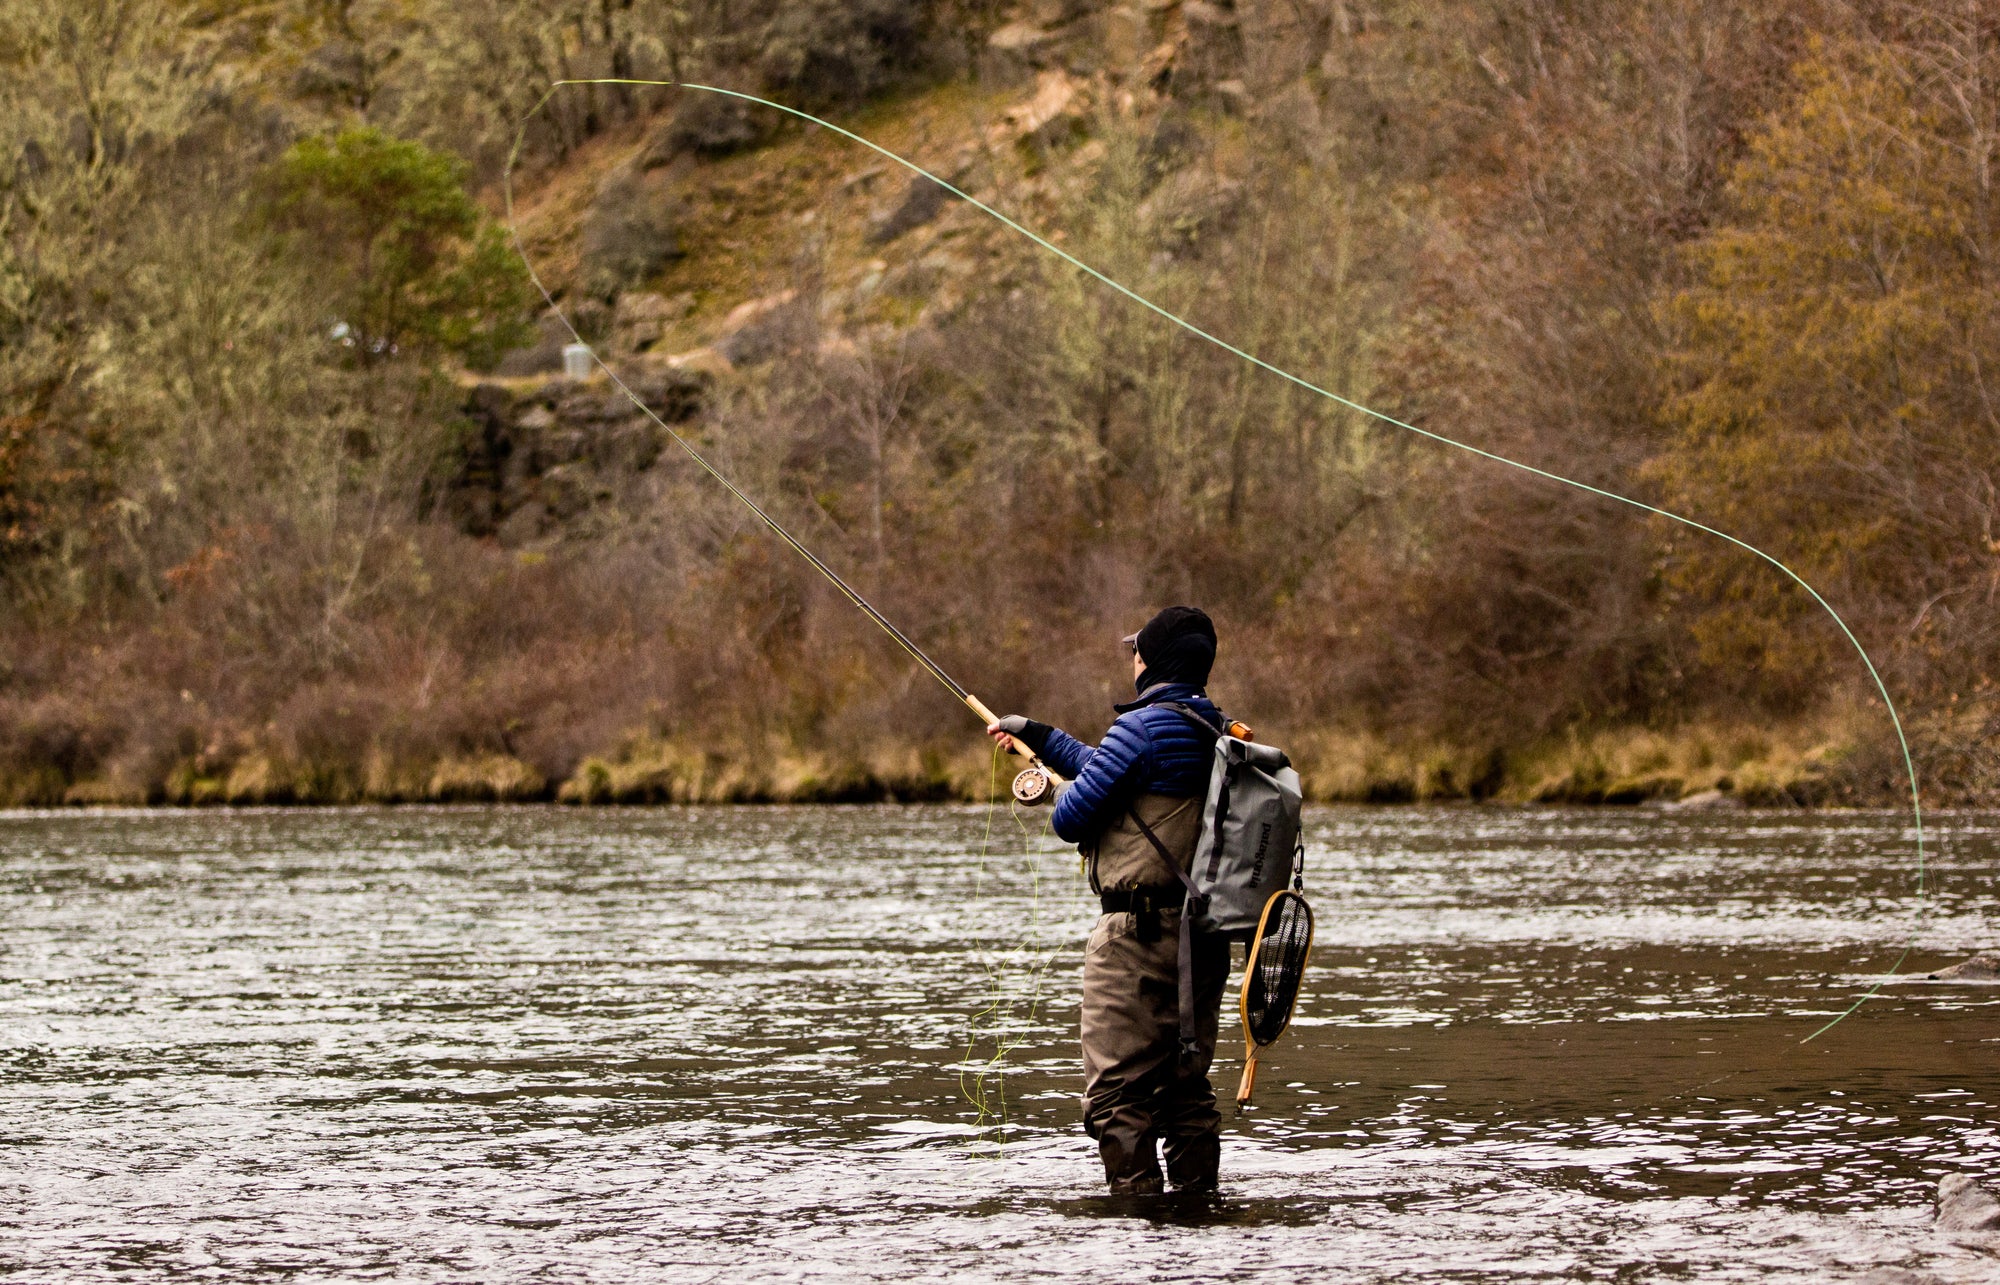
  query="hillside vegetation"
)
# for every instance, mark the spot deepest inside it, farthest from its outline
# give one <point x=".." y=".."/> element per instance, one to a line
<point x="297" y="505"/>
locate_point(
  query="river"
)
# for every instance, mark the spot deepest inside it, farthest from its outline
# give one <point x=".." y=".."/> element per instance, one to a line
<point x="815" y="1043"/>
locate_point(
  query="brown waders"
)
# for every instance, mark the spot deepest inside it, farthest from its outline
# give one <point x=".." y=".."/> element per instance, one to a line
<point x="1140" y="1090"/>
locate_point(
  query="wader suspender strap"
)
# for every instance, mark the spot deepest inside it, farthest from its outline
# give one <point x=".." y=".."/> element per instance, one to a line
<point x="1195" y="902"/>
<point x="1188" y="910"/>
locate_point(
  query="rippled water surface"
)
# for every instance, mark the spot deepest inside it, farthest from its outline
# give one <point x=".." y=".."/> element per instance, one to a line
<point x="839" y="1043"/>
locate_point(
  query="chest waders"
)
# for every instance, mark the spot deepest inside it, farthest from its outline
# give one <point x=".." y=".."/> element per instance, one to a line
<point x="1247" y="852"/>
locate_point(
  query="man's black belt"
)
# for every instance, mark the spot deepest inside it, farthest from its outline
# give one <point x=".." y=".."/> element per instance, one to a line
<point x="1145" y="903"/>
<point x="1139" y="901"/>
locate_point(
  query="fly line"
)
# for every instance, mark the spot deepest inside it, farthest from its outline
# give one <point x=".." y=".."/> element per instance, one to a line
<point x="513" y="157"/>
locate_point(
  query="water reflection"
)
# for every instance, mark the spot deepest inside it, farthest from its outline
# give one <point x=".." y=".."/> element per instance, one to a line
<point x="738" y="1044"/>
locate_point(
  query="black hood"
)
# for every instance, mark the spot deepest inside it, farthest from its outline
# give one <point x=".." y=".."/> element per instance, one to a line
<point x="1177" y="646"/>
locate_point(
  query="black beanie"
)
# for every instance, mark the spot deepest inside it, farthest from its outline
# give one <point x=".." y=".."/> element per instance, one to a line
<point x="1178" y="646"/>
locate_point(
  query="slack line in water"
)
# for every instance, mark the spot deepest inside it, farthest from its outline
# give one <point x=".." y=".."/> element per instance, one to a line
<point x="513" y="157"/>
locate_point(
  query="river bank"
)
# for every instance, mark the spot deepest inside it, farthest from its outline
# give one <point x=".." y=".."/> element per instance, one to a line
<point x="1828" y="761"/>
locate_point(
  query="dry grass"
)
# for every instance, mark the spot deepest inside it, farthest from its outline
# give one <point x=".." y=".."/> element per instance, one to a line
<point x="1808" y="763"/>
<point x="1805" y="762"/>
<point x="647" y="769"/>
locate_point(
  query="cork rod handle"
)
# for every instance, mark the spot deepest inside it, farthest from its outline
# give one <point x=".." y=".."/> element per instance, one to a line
<point x="987" y="716"/>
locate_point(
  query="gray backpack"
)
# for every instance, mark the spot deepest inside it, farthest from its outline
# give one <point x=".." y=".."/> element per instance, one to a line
<point x="1249" y="844"/>
<point x="1248" y="849"/>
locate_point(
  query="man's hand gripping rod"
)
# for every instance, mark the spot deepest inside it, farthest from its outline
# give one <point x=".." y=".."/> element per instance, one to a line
<point x="1034" y="784"/>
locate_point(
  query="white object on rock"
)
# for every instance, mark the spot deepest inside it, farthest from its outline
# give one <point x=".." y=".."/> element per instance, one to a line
<point x="1964" y="1205"/>
<point x="576" y="361"/>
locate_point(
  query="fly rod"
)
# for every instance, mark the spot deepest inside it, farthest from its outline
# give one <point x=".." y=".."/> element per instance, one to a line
<point x="1035" y="782"/>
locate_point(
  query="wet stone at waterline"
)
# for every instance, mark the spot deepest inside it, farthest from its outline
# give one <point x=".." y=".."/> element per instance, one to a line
<point x="738" y="1044"/>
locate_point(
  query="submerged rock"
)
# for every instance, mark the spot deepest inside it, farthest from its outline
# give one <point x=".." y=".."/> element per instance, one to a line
<point x="1964" y="1205"/>
<point x="1980" y="968"/>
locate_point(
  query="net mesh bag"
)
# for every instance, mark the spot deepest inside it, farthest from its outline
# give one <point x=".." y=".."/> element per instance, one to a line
<point x="1271" y="977"/>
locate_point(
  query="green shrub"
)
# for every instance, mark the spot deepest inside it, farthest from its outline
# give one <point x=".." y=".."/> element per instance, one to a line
<point x="412" y="267"/>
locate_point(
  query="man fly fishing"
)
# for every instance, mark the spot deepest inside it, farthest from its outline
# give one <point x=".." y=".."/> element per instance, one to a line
<point x="1136" y="802"/>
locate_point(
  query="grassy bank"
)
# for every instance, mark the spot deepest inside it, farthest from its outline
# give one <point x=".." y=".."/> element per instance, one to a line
<point x="1802" y="765"/>
<point x="1828" y="761"/>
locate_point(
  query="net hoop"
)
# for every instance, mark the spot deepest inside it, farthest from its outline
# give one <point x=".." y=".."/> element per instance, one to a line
<point x="1277" y="900"/>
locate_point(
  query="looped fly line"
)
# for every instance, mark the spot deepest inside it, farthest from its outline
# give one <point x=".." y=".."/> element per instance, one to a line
<point x="1888" y="703"/>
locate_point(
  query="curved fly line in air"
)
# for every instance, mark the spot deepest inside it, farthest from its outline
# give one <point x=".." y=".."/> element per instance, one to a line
<point x="930" y="666"/>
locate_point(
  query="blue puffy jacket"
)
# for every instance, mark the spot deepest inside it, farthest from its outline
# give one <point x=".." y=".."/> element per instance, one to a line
<point x="1149" y="750"/>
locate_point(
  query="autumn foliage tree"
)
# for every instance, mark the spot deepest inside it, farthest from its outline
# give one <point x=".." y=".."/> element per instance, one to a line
<point x="1837" y="354"/>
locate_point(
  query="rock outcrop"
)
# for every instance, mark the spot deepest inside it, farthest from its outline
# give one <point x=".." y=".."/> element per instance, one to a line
<point x="536" y="458"/>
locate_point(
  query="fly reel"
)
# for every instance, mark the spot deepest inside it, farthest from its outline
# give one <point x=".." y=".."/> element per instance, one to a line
<point x="1032" y="787"/>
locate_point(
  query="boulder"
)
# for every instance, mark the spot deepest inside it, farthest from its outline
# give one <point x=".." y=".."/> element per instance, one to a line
<point x="759" y="330"/>
<point x="1963" y="1205"/>
<point x="629" y="233"/>
<point x="1233" y="97"/>
<point x="1191" y="206"/>
<point x="703" y="362"/>
<point x="1157" y="69"/>
<point x="644" y="317"/>
<point x="1980" y="968"/>
<point x="1054" y="113"/>
<point x="1053" y="13"/>
<point x="542" y="357"/>
<point x="1015" y="52"/>
<point x="708" y="125"/>
<point x="922" y="201"/>
<point x="1122" y="34"/>
<point x="338" y="69"/>
<point x="1019" y="39"/>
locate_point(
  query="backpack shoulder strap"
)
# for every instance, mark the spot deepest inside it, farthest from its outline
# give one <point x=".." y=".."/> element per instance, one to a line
<point x="1161" y="848"/>
<point x="1193" y="715"/>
